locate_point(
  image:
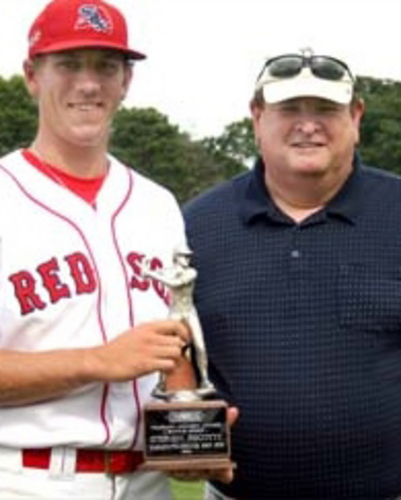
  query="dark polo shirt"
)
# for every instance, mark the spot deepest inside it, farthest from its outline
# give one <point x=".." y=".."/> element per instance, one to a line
<point x="303" y="329"/>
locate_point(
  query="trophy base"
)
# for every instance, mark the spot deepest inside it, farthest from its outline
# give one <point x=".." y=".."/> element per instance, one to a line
<point x="170" y="465"/>
<point x="186" y="435"/>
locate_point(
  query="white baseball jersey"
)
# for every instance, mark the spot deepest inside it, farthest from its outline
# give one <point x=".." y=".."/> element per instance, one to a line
<point x="69" y="278"/>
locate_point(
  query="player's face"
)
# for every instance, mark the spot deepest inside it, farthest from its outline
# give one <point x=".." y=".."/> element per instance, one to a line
<point x="78" y="93"/>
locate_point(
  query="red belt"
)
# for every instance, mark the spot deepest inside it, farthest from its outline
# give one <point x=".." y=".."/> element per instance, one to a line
<point x="107" y="461"/>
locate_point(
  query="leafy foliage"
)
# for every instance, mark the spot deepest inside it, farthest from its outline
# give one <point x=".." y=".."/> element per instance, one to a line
<point x="17" y="115"/>
<point x="380" y="143"/>
<point x="236" y="144"/>
<point x="147" y="141"/>
<point x="380" y="129"/>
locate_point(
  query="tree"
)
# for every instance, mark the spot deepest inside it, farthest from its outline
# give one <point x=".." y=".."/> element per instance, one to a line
<point x="144" y="139"/>
<point x="236" y="143"/>
<point x="17" y="115"/>
<point x="380" y="129"/>
<point x="380" y="143"/>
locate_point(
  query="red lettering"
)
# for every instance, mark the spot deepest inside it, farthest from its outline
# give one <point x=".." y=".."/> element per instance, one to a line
<point x="24" y="289"/>
<point x="51" y="281"/>
<point x="82" y="273"/>
<point x="138" y="281"/>
<point x="159" y="287"/>
<point x="84" y="278"/>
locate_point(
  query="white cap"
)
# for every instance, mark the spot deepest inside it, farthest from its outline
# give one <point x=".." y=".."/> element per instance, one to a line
<point x="305" y="84"/>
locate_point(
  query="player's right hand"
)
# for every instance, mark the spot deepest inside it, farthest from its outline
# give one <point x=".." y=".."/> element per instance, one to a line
<point x="154" y="346"/>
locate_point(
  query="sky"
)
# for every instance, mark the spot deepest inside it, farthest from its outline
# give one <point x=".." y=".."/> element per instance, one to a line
<point x="204" y="55"/>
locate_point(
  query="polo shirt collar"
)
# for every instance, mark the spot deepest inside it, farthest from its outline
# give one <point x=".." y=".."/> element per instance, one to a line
<point x="254" y="200"/>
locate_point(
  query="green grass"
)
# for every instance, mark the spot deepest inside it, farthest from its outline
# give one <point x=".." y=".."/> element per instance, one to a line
<point x="183" y="490"/>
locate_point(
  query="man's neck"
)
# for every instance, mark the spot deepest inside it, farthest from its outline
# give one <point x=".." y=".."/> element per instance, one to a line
<point x="301" y="197"/>
<point x="86" y="162"/>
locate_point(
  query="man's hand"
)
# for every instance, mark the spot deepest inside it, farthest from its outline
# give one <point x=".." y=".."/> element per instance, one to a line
<point x="225" y="475"/>
<point x="147" y="348"/>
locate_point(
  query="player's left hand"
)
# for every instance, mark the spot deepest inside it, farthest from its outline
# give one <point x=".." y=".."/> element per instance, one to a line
<point x="225" y="475"/>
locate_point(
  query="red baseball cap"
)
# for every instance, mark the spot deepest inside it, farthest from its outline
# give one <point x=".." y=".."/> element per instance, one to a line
<point x="74" y="24"/>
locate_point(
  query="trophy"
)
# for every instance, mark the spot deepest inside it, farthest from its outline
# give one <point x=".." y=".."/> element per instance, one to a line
<point x="187" y="429"/>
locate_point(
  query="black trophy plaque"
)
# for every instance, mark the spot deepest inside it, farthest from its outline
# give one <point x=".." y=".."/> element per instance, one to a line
<point x="186" y="435"/>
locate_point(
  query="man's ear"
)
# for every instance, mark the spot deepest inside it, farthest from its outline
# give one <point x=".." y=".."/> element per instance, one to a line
<point x="357" y="112"/>
<point x="128" y="75"/>
<point x="29" y="68"/>
<point x="256" y="109"/>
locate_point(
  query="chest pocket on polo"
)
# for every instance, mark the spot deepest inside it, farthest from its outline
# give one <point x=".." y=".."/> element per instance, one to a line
<point x="369" y="297"/>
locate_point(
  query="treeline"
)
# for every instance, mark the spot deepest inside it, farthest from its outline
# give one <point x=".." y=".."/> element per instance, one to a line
<point x="146" y="140"/>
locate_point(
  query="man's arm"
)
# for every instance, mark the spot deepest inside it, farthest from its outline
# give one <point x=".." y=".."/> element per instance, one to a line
<point x="29" y="377"/>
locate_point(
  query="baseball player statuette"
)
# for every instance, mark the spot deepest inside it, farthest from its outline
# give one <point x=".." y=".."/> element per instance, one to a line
<point x="187" y="429"/>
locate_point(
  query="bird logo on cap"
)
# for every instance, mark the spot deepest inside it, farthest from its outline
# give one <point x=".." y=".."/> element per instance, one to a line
<point x="35" y="38"/>
<point x="91" y="16"/>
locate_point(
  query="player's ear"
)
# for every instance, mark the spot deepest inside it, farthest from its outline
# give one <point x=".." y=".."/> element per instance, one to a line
<point x="30" y="68"/>
<point x="128" y="74"/>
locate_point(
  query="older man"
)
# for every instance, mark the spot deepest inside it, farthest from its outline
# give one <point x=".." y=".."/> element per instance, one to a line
<point x="299" y="295"/>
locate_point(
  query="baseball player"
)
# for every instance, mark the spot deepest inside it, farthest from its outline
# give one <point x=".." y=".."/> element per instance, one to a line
<point x="81" y="340"/>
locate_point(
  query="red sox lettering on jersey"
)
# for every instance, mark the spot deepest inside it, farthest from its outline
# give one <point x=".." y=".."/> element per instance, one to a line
<point x="35" y="289"/>
<point x="83" y="289"/>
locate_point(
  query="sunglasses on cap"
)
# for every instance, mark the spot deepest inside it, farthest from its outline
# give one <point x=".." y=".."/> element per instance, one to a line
<point x="290" y="65"/>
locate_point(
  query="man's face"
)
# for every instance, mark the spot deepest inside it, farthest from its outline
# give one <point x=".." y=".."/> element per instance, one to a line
<point x="307" y="136"/>
<point x="78" y="93"/>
